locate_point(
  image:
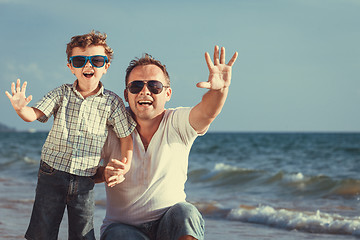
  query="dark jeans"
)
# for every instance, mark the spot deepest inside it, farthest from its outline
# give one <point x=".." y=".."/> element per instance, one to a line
<point x="180" y="220"/>
<point x="55" y="191"/>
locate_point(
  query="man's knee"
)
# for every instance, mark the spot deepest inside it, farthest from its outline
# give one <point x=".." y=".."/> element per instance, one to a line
<point x="184" y="211"/>
<point x="117" y="231"/>
<point x="182" y="220"/>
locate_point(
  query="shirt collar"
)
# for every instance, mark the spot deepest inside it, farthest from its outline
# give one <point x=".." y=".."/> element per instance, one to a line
<point x="100" y="92"/>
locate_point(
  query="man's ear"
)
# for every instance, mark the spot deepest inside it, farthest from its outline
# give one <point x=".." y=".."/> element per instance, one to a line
<point x="126" y="95"/>
<point x="168" y="94"/>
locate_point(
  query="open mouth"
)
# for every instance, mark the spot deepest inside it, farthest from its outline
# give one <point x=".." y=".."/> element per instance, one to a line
<point x="145" y="103"/>
<point x="88" y="75"/>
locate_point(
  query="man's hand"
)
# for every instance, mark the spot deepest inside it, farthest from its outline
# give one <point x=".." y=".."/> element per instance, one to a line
<point x="115" y="170"/>
<point x="18" y="98"/>
<point x="219" y="72"/>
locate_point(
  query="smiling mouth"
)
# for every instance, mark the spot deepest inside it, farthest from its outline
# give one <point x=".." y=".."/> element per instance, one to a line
<point x="145" y="103"/>
<point x="88" y="75"/>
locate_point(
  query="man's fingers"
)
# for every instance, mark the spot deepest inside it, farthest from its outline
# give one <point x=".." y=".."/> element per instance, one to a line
<point x="222" y="56"/>
<point x="208" y="61"/>
<point x="233" y="59"/>
<point x="216" y="55"/>
<point x="204" y="85"/>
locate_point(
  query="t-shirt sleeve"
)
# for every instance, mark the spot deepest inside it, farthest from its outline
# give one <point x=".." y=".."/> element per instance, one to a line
<point x="180" y="122"/>
<point x="49" y="104"/>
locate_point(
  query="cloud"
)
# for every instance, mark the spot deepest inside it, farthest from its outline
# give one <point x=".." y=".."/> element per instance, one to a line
<point x="14" y="70"/>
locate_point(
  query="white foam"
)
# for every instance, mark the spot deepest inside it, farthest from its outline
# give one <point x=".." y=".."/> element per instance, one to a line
<point x="224" y="167"/>
<point x="296" y="177"/>
<point x="314" y="222"/>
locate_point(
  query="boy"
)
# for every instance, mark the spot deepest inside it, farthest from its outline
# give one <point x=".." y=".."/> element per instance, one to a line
<point x="82" y="111"/>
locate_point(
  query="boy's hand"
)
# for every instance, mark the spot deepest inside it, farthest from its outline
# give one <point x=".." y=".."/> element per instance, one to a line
<point x="18" y="98"/>
<point x="115" y="170"/>
<point x="219" y="72"/>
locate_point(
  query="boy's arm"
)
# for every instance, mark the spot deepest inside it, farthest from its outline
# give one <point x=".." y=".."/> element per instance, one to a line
<point x="126" y="146"/>
<point x="19" y="102"/>
<point x="114" y="171"/>
<point x="202" y="115"/>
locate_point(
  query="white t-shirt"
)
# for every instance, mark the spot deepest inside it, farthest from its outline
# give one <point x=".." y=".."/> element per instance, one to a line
<point x="157" y="177"/>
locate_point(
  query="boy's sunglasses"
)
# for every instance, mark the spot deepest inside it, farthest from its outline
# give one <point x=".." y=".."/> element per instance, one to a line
<point x="154" y="86"/>
<point x="97" y="61"/>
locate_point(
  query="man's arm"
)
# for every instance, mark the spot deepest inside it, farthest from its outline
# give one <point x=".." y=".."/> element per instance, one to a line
<point x="19" y="102"/>
<point x="202" y="115"/>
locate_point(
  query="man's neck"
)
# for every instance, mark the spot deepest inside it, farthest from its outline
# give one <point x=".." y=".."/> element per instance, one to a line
<point x="148" y="127"/>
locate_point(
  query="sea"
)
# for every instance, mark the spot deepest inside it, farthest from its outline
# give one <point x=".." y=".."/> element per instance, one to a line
<point x="247" y="185"/>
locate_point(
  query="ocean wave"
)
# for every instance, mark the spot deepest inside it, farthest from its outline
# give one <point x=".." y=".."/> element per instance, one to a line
<point x="313" y="222"/>
<point x="295" y="184"/>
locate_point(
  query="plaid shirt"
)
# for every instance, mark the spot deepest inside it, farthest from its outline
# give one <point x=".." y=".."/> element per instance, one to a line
<point x="80" y="127"/>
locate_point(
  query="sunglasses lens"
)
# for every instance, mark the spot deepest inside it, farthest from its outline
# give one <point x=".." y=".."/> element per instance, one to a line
<point x="136" y="86"/>
<point x="78" y="62"/>
<point x="155" y="86"/>
<point x="98" y="61"/>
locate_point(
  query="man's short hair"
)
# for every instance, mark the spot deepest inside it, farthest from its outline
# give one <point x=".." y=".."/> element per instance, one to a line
<point x="147" y="59"/>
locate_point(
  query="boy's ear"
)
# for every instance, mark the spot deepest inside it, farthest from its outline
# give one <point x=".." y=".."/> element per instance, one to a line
<point x="107" y="65"/>
<point x="71" y="68"/>
<point x="126" y="95"/>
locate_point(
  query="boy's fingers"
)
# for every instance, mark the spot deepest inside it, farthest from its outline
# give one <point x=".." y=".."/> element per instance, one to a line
<point x="28" y="99"/>
<point x="8" y="95"/>
<point x="23" y="88"/>
<point x="116" y="164"/>
<point x="13" y="88"/>
<point x="18" y="85"/>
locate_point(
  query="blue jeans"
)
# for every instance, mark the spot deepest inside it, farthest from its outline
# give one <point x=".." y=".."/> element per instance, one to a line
<point x="55" y="191"/>
<point x="180" y="220"/>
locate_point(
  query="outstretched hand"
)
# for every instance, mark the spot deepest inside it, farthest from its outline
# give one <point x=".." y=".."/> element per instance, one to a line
<point x="18" y="98"/>
<point x="219" y="72"/>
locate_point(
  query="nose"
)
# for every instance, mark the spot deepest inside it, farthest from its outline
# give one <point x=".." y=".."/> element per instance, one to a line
<point x="145" y="90"/>
<point x="88" y="64"/>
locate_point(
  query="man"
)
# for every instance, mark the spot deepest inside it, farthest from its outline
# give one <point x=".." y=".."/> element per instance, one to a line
<point x="150" y="203"/>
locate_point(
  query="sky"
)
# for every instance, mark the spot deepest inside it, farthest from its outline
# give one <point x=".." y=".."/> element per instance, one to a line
<point x="297" y="70"/>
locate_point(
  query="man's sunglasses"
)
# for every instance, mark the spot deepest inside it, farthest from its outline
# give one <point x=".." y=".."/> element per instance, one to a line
<point x="154" y="86"/>
<point x="97" y="61"/>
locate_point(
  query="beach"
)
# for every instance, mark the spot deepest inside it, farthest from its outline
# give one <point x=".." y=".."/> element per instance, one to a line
<point x="247" y="185"/>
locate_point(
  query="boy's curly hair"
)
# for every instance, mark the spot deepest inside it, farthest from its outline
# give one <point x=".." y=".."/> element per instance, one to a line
<point x="86" y="40"/>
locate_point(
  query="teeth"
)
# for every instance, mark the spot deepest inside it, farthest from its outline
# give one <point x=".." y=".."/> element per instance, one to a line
<point x="145" y="102"/>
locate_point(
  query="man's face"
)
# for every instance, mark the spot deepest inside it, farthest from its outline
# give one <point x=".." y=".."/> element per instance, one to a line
<point x="88" y="75"/>
<point x="146" y="105"/>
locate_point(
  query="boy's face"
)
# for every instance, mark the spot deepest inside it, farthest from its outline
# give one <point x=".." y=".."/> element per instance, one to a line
<point x="88" y="75"/>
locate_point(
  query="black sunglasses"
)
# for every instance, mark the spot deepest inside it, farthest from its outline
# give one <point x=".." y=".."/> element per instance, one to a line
<point x="154" y="86"/>
<point x="97" y="61"/>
